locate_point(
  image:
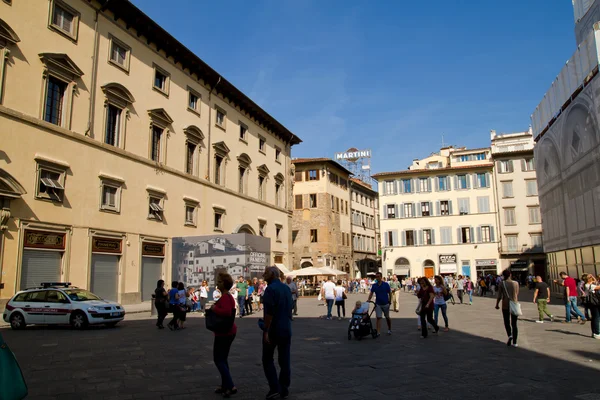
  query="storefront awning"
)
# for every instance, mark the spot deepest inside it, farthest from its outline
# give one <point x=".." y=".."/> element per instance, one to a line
<point x="402" y="271"/>
<point x="283" y="268"/>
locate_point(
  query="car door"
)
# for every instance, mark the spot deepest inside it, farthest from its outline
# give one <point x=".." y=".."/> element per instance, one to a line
<point x="57" y="308"/>
<point x="33" y="307"/>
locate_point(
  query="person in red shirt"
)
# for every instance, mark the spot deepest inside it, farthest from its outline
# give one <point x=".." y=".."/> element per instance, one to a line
<point x="223" y="341"/>
<point x="570" y="298"/>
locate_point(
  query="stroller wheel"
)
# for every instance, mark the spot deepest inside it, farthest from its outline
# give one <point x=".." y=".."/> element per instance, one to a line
<point x="374" y="333"/>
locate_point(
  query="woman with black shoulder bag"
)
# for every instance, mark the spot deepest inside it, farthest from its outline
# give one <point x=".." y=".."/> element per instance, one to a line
<point x="340" y="299"/>
<point x="220" y="319"/>
<point x="161" y="302"/>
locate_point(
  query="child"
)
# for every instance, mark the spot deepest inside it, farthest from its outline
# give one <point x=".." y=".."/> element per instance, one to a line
<point x="360" y="308"/>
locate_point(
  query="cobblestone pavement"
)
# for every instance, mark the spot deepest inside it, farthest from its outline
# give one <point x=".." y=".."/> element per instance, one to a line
<point x="137" y="361"/>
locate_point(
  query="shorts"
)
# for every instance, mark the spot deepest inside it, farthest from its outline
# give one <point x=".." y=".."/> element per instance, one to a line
<point x="382" y="309"/>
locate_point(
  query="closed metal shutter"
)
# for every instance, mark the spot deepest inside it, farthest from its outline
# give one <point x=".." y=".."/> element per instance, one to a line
<point x="40" y="266"/>
<point x="151" y="273"/>
<point x="105" y="276"/>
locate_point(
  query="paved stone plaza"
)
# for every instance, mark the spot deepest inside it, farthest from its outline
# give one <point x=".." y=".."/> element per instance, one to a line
<point x="137" y="361"/>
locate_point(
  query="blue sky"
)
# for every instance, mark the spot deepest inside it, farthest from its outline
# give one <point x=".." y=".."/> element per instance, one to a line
<point x="392" y="76"/>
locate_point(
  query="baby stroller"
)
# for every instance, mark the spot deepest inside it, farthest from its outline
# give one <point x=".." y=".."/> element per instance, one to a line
<point x="360" y="323"/>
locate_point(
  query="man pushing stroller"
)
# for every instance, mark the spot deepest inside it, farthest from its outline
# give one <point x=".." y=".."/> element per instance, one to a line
<point x="383" y="295"/>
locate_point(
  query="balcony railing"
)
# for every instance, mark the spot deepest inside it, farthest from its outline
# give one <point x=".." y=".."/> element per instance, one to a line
<point x="522" y="250"/>
<point x="577" y="72"/>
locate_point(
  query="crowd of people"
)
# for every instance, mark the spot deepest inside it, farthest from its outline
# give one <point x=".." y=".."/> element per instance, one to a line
<point x="276" y="296"/>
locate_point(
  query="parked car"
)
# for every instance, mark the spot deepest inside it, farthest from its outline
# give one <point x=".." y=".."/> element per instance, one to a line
<point x="60" y="304"/>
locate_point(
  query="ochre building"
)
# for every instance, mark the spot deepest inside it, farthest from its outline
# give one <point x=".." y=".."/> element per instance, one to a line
<point x="116" y="138"/>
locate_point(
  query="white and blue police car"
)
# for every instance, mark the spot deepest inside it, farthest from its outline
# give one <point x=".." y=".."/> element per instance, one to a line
<point x="59" y="303"/>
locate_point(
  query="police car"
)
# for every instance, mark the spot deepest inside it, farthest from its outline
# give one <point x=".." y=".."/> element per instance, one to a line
<point x="60" y="304"/>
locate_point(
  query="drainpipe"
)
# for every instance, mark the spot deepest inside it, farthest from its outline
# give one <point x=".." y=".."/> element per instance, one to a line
<point x="208" y="145"/>
<point x="90" y="128"/>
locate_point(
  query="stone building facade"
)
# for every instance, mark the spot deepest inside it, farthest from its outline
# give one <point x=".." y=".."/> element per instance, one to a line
<point x="321" y="230"/>
<point x="364" y="208"/>
<point x="117" y="138"/>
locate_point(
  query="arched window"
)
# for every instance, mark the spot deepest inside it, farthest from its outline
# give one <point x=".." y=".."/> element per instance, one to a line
<point x="117" y="103"/>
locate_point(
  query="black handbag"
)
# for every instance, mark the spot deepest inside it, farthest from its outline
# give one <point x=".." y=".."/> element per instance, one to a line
<point x="593" y="299"/>
<point x="217" y="323"/>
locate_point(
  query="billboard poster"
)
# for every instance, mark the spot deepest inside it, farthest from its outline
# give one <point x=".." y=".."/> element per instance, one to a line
<point x="199" y="258"/>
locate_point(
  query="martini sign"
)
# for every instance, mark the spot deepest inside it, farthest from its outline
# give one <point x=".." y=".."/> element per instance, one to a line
<point x="353" y="154"/>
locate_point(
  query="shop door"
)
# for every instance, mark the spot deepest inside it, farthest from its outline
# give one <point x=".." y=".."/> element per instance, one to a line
<point x="40" y="266"/>
<point x="105" y="276"/>
<point x="151" y="273"/>
<point x="428" y="272"/>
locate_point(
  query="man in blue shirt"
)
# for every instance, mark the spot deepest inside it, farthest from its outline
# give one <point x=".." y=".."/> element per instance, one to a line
<point x="383" y="294"/>
<point x="174" y="305"/>
<point x="277" y="302"/>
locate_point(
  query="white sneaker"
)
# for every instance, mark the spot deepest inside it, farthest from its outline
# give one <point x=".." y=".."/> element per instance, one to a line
<point x="539" y="322"/>
<point x="389" y="332"/>
<point x="596" y="336"/>
<point x="515" y="345"/>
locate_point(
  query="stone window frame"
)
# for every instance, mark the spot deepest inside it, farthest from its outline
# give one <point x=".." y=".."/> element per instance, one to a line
<point x="262" y="227"/>
<point x="58" y="187"/>
<point x="160" y="119"/>
<point x="162" y="90"/>
<point x="244" y="162"/>
<point x="156" y="213"/>
<point x="222" y="125"/>
<point x="195" y="204"/>
<point x="194" y="136"/>
<point x="218" y="210"/>
<point x="118" y="96"/>
<point x="62" y="68"/>
<point x="263" y="173"/>
<point x="114" y="182"/>
<point x="112" y="40"/>
<point x="76" y="17"/>
<point x="8" y="38"/>
<point x="220" y="150"/>
<point x="195" y="110"/>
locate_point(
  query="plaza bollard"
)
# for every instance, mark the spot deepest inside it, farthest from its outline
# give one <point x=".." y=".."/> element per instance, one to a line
<point x="153" y="310"/>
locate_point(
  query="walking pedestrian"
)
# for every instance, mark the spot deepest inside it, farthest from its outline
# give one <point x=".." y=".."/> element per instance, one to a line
<point x="541" y="296"/>
<point x="383" y="295"/>
<point x="328" y="293"/>
<point x="217" y="294"/>
<point x="182" y="298"/>
<point x="426" y="296"/>
<point x="248" y="304"/>
<point x="225" y="308"/>
<point x="470" y="287"/>
<point x="439" y="301"/>
<point x="507" y="293"/>
<point x="242" y="295"/>
<point x="294" y="289"/>
<point x="203" y="295"/>
<point x="261" y="291"/>
<point x="460" y="288"/>
<point x="395" y="286"/>
<point x="174" y="306"/>
<point x="570" y="297"/>
<point x="277" y="334"/>
<point x="340" y="299"/>
<point x="592" y="298"/>
<point x="161" y="302"/>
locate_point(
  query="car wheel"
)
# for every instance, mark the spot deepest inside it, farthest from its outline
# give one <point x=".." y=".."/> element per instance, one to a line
<point x="112" y="324"/>
<point x="17" y="321"/>
<point x="79" y="320"/>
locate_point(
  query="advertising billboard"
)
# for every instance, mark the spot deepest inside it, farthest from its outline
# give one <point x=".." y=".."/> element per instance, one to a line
<point x="199" y="258"/>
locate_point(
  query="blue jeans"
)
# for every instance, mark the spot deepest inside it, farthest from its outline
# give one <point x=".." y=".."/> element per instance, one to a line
<point x="571" y="307"/>
<point x="220" y="355"/>
<point x="470" y="293"/>
<point x="283" y="344"/>
<point x="329" y="307"/>
<point x="436" y="309"/>
<point x="241" y="304"/>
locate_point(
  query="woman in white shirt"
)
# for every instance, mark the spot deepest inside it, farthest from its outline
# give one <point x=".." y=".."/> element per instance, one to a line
<point x="340" y="300"/>
<point x="203" y="295"/>
<point x="592" y="289"/>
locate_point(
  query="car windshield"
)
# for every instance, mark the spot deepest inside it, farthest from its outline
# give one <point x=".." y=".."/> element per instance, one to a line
<point x="81" y="295"/>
